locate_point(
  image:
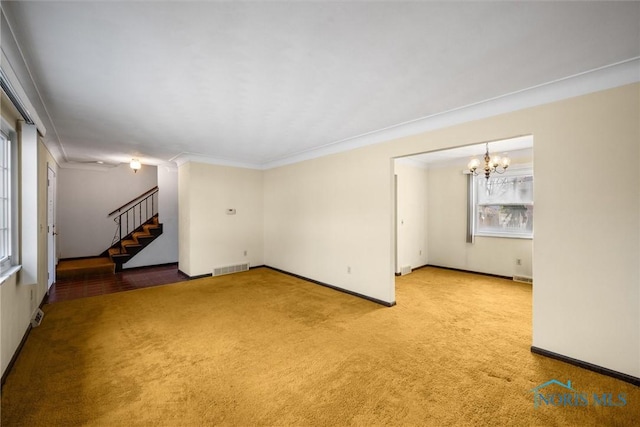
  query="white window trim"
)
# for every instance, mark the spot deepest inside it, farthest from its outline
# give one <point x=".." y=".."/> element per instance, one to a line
<point x="519" y="170"/>
<point x="10" y="266"/>
<point x="526" y="236"/>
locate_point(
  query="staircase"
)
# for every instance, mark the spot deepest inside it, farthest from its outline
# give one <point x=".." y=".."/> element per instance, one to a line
<point x="123" y="250"/>
<point x="137" y="225"/>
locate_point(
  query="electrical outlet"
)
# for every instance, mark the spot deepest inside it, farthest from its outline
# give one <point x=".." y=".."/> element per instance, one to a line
<point x="420" y="253"/>
<point x="518" y="261"/>
<point x="348" y="270"/>
<point x="245" y="253"/>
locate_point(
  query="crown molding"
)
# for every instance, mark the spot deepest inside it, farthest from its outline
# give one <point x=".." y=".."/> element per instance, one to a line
<point x="603" y="78"/>
<point x="186" y="157"/>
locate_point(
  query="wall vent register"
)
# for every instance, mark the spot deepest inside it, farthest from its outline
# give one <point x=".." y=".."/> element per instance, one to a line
<point x="229" y="269"/>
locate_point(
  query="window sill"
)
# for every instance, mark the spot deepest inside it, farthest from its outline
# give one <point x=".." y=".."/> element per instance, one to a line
<point x="505" y="236"/>
<point x="9" y="272"/>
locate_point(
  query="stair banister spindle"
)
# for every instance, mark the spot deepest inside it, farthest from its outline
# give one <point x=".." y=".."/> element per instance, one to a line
<point x="136" y="234"/>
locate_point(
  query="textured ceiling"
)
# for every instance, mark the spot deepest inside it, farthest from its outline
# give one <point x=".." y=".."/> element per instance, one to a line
<point x="253" y="82"/>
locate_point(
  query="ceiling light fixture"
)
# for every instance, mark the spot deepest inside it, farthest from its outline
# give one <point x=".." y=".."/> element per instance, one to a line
<point x="135" y="165"/>
<point x="495" y="164"/>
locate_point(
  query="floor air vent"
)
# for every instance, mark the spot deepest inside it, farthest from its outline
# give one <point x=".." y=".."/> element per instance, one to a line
<point x="523" y="279"/>
<point x="37" y="318"/>
<point x="228" y="269"/>
<point x="405" y="270"/>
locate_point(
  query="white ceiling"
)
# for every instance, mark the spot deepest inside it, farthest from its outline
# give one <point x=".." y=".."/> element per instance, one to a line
<point x="254" y="83"/>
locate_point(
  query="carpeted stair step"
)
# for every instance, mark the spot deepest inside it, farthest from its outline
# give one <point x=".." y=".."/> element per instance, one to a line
<point x="118" y="255"/>
<point x="85" y="267"/>
<point x="143" y="237"/>
<point x="131" y="247"/>
<point x="154" y="229"/>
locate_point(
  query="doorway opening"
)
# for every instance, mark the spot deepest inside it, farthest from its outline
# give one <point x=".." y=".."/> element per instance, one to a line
<point x="437" y="215"/>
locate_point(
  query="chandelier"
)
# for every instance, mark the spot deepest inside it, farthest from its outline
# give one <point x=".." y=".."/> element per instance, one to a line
<point x="495" y="164"/>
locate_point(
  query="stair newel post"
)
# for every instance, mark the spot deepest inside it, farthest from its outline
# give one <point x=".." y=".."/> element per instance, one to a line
<point x="120" y="227"/>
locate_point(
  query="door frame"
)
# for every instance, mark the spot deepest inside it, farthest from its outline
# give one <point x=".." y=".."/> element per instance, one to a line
<point x="52" y="260"/>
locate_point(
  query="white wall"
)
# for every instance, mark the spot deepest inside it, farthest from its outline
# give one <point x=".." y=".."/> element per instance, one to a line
<point x="184" y="215"/>
<point x="18" y="301"/>
<point x="329" y="219"/>
<point x="85" y="197"/>
<point x="28" y="205"/>
<point x="208" y="236"/>
<point x="447" y="210"/>
<point x="164" y="249"/>
<point x="412" y="218"/>
<point x="325" y="214"/>
<point x="586" y="297"/>
<point x="15" y="317"/>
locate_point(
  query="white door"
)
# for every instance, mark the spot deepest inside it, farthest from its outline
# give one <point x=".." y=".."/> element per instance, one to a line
<point x="51" y="227"/>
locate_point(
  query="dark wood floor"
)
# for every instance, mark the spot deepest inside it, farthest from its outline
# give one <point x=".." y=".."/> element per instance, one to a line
<point x="127" y="280"/>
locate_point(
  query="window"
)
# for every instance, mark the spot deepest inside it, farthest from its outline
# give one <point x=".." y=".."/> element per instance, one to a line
<point x="503" y="204"/>
<point x="5" y="203"/>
